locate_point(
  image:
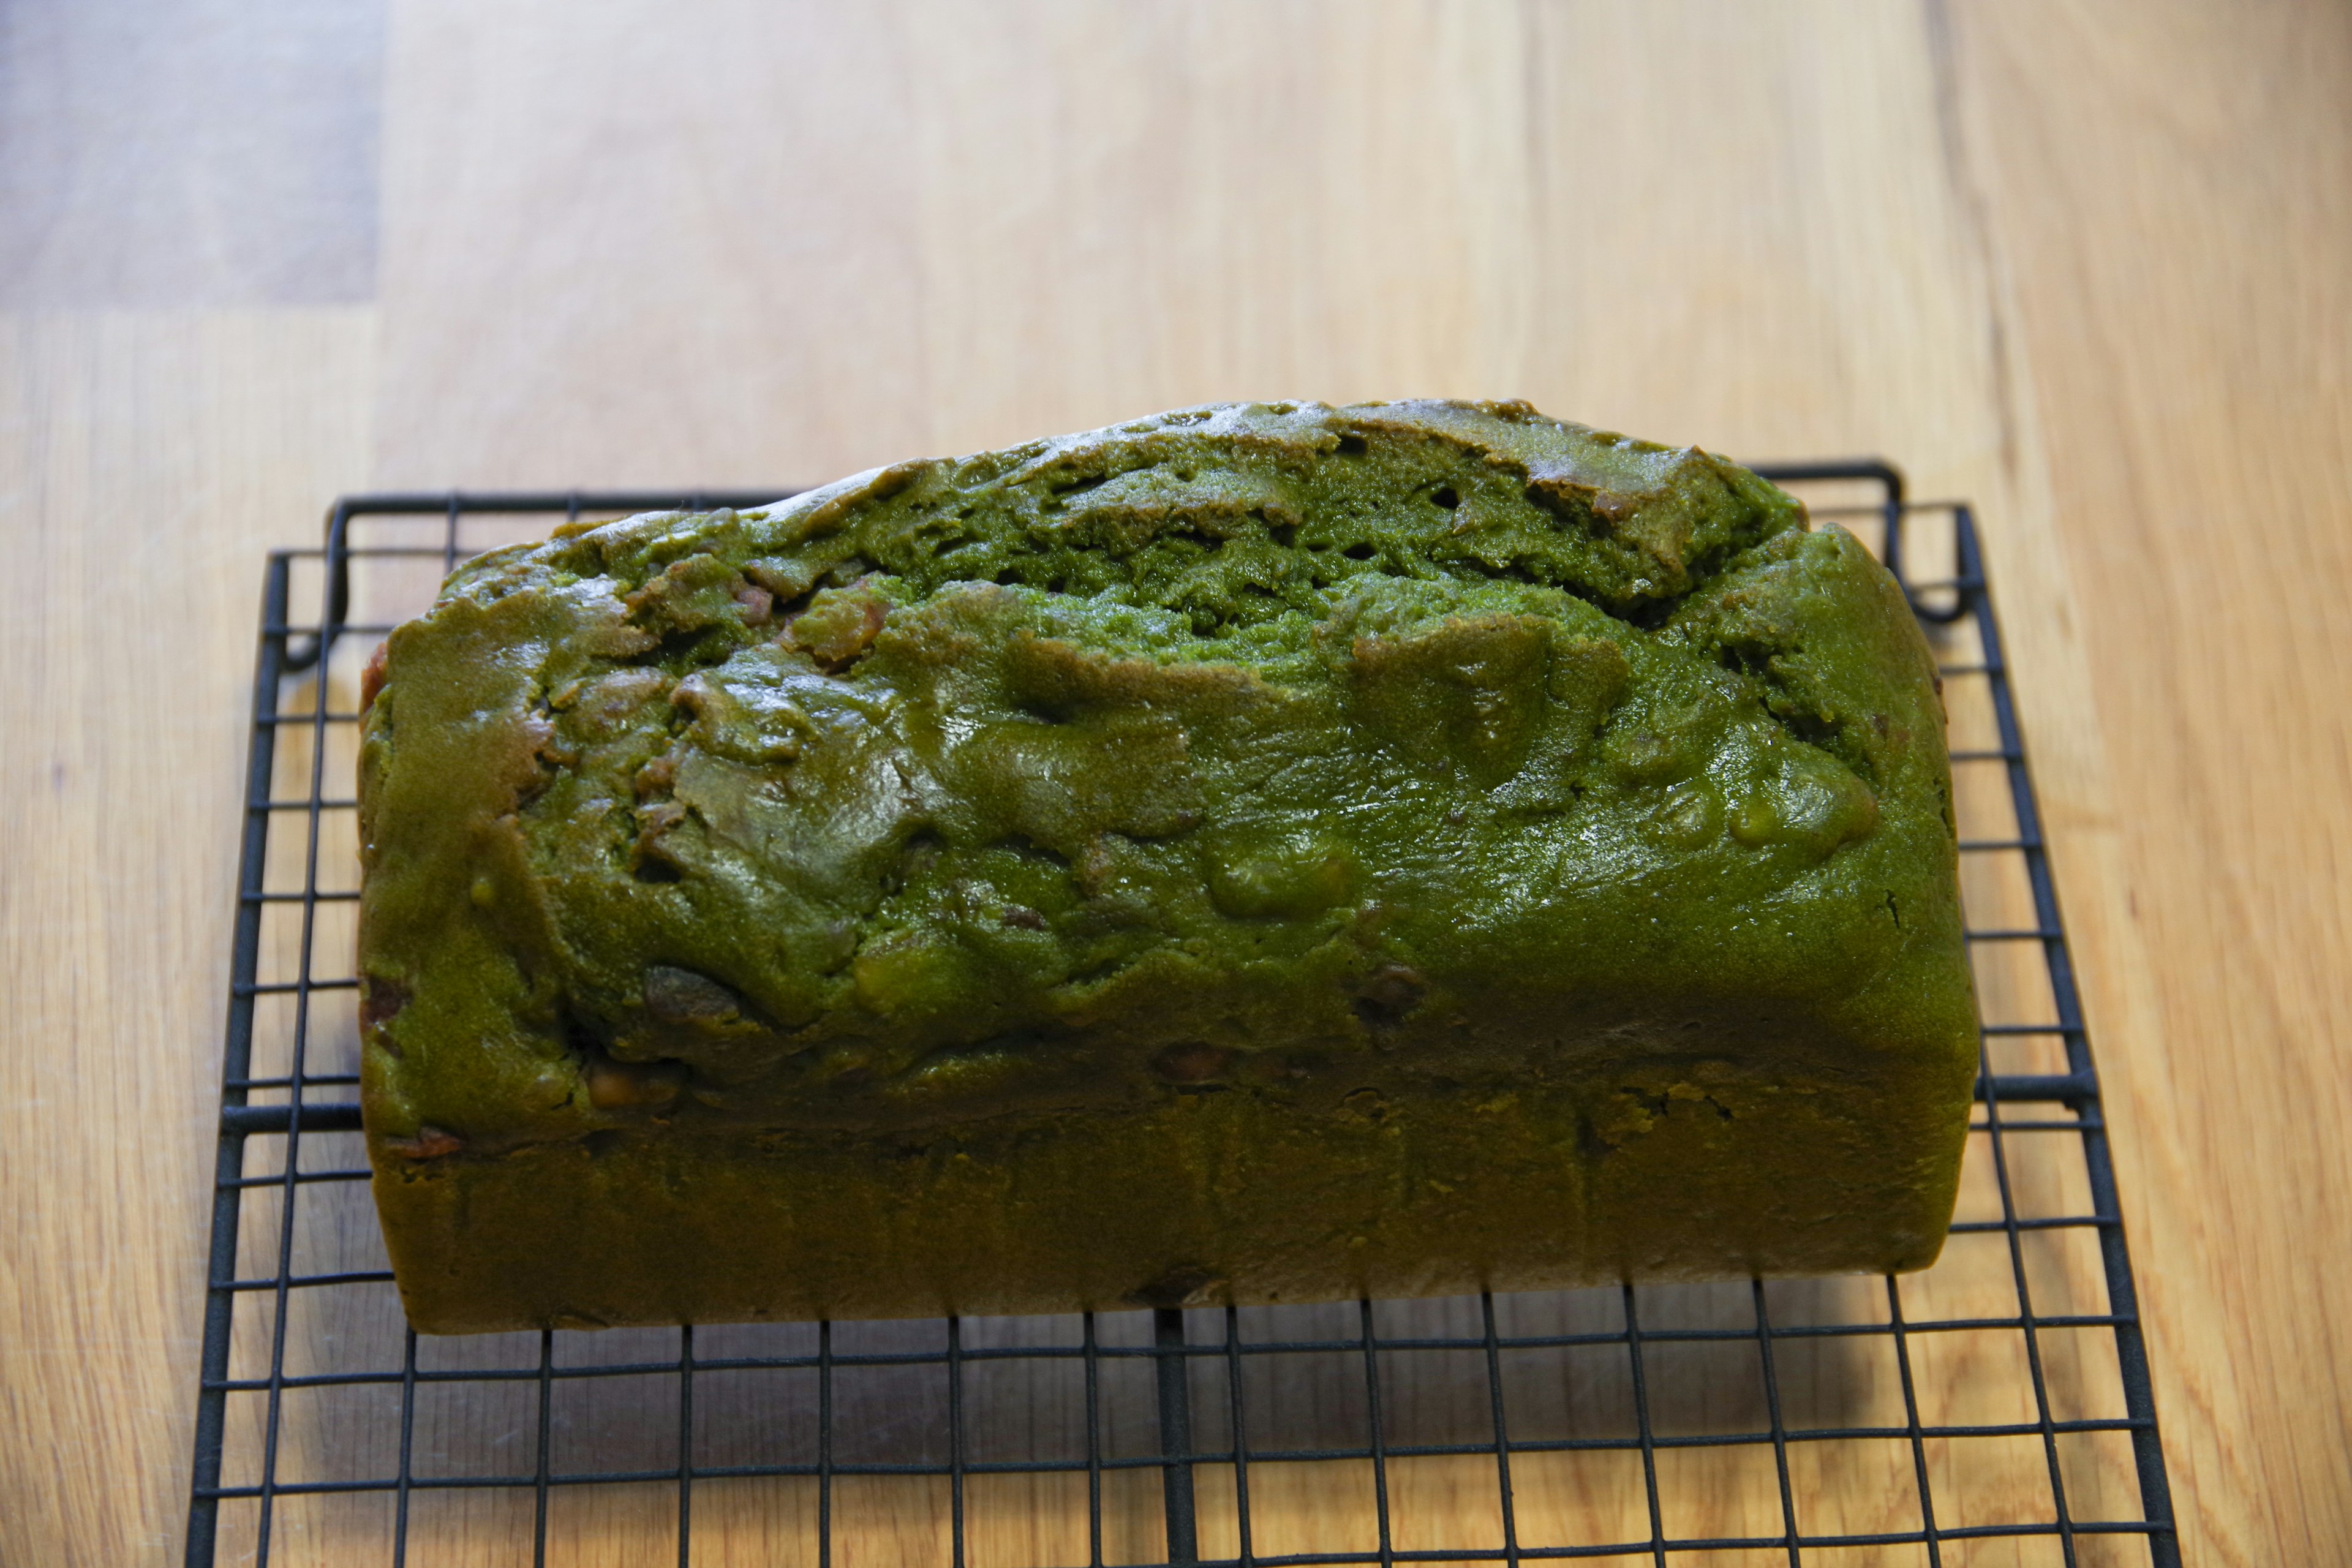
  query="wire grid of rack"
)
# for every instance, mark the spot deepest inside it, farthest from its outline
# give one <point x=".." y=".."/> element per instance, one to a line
<point x="1994" y="1408"/>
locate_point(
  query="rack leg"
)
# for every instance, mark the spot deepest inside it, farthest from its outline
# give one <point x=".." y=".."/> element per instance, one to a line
<point x="1175" y="1434"/>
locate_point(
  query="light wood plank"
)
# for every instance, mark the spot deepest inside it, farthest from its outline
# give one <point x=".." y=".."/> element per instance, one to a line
<point x="168" y="155"/>
<point x="2176" y="223"/>
<point x="145" y="460"/>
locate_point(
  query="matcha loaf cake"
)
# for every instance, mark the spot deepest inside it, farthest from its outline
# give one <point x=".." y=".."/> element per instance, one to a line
<point x="1265" y="852"/>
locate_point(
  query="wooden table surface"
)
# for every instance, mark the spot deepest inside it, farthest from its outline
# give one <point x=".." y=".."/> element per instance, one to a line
<point x="2087" y="264"/>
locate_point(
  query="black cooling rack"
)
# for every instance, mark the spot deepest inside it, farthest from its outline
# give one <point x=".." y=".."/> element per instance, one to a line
<point x="1995" y="1408"/>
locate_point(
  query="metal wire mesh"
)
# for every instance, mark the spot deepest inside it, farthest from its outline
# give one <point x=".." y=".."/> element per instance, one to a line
<point x="1994" y="1408"/>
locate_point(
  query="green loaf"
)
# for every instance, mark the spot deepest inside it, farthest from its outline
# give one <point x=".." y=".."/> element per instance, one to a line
<point x="1264" y="852"/>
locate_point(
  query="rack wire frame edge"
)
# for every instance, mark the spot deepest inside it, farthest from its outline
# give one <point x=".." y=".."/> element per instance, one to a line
<point x="282" y="654"/>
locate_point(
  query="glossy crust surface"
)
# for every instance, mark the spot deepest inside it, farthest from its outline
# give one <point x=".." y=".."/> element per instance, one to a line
<point x="1265" y="852"/>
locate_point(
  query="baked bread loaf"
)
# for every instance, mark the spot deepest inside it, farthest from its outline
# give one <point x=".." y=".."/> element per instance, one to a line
<point x="1265" y="852"/>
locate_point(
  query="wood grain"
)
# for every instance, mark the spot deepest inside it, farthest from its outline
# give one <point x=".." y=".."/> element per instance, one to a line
<point x="173" y="154"/>
<point x="2174" y="226"/>
<point x="145" y="460"/>
<point x="2084" y="262"/>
